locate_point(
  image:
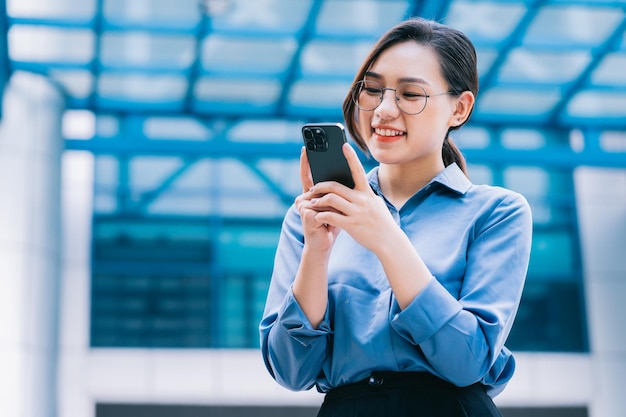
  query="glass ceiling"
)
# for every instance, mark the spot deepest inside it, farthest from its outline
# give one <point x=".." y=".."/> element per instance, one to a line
<point x="193" y="108"/>
<point x="542" y="63"/>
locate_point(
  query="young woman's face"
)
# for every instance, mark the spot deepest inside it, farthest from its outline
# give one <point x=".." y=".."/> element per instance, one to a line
<point x="393" y="136"/>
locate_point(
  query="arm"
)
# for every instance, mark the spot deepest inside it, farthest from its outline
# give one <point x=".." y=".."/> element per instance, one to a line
<point x="292" y="348"/>
<point x="463" y="339"/>
<point x="295" y="329"/>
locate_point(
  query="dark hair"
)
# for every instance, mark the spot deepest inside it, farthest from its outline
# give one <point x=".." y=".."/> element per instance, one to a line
<point x="457" y="58"/>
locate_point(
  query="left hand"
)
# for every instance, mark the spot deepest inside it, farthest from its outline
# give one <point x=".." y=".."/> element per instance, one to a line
<point x="359" y="211"/>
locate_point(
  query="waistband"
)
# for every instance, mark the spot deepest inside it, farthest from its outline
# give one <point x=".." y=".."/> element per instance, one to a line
<point x="384" y="380"/>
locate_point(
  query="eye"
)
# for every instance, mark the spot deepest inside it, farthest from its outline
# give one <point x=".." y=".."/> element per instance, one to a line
<point x="412" y="96"/>
<point x="411" y="92"/>
<point x="372" y="89"/>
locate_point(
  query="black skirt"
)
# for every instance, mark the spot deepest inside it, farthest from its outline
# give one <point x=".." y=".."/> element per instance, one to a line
<point x="407" y="394"/>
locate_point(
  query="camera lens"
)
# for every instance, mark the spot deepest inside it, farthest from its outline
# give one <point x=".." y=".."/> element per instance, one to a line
<point x="310" y="145"/>
<point x="308" y="134"/>
<point x="320" y="139"/>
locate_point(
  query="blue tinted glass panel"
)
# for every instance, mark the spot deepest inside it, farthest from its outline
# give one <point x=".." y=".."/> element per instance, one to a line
<point x="179" y="283"/>
<point x="551" y="316"/>
<point x="151" y="286"/>
<point x="553" y="254"/>
<point x="550" y="319"/>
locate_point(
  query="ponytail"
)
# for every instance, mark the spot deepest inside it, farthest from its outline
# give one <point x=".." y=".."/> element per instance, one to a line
<point x="452" y="154"/>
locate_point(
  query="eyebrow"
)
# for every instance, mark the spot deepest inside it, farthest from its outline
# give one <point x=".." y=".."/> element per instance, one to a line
<point x="402" y="80"/>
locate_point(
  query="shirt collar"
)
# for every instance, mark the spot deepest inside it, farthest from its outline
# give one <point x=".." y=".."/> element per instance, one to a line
<point x="454" y="179"/>
<point x="451" y="177"/>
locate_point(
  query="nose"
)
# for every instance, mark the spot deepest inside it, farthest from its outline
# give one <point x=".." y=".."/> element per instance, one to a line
<point x="388" y="107"/>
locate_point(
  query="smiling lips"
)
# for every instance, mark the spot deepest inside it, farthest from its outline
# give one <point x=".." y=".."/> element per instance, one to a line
<point x="388" y="135"/>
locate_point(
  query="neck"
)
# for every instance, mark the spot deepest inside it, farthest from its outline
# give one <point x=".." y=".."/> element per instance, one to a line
<point x="400" y="182"/>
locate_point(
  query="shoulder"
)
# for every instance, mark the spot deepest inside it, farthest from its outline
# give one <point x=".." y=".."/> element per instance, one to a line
<point x="493" y="204"/>
<point x="497" y="196"/>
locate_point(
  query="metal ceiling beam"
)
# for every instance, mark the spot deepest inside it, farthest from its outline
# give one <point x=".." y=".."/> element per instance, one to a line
<point x="429" y="9"/>
<point x="157" y="27"/>
<point x="285" y="197"/>
<point x="96" y="63"/>
<point x="514" y="39"/>
<point x="164" y="27"/>
<point x="201" y="31"/>
<point x="5" y="65"/>
<point x="304" y="36"/>
<point x="150" y="196"/>
<point x="549" y="156"/>
<point x="217" y="111"/>
<point x="610" y="44"/>
<point x="155" y="69"/>
<point x="129" y="145"/>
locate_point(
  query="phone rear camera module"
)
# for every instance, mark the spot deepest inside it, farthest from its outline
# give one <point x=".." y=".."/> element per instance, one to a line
<point x="315" y="139"/>
<point x="320" y="137"/>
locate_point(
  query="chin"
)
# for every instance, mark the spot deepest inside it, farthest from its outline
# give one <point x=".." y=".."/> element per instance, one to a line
<point x="385" y="156"/>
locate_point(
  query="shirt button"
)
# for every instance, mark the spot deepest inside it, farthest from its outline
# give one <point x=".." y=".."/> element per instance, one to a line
<point x="376" y="381"/>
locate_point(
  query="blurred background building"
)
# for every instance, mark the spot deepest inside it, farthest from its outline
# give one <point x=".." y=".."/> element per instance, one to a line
<point x="148" y="151"/>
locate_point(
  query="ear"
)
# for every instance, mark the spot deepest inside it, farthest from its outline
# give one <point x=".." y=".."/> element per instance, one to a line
<point x="462" y="108"/>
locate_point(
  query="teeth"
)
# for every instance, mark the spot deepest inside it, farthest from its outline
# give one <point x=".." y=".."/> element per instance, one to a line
<point x="388" y="132"/>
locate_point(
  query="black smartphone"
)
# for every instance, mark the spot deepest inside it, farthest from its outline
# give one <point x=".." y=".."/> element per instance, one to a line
<point x="323" y="142"/>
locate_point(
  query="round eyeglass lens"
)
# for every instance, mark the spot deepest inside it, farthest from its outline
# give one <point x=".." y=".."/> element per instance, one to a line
<point x="411" y="98"/>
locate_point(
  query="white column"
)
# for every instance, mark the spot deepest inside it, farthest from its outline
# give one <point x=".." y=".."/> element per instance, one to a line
<point x="74" y="386"/>
<point x="30" y="155"/>
<point x="601" y="203"/>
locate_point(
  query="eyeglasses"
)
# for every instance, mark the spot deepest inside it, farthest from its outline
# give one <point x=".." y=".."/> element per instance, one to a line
<point x="411" y="98"/>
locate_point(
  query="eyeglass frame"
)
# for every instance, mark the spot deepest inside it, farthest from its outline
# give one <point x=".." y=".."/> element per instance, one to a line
<point x="382" y="95"/>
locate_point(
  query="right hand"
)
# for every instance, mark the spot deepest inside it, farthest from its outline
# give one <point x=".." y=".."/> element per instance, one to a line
<point x="317" y="236"/>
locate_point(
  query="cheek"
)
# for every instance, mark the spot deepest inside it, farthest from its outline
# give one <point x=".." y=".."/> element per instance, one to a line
<point x="426" y="131"/>
<point x="433" y="122"/>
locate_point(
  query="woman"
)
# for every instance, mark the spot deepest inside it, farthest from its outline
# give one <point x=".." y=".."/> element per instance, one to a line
<point x="395" y="298"/>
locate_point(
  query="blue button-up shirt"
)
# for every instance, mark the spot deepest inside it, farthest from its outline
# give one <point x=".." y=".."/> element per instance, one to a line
<point x="475" y="240"/>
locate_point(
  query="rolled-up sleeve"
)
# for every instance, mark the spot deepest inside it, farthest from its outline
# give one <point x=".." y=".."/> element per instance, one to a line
<point x="292" y="349"/>
<point x="463" y="338"/>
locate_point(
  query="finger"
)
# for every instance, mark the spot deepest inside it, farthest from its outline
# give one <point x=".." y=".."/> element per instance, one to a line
<point x="356" y="168"/>
<point x="305" y="172"/>
<point x="330" y="202"/>
<point x="329" y="218"/>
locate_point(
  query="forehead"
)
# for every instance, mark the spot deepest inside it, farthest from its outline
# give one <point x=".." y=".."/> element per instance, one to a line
<point x="408" y="60"/>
